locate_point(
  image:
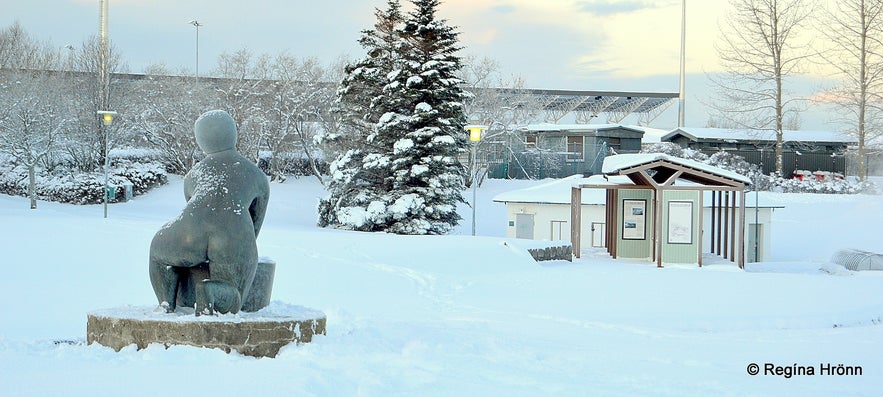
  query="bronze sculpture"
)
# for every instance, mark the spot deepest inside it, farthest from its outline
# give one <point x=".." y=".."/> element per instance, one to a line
<point x="207" y="256"/>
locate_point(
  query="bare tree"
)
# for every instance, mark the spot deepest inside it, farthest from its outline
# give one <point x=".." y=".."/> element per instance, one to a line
<point x="759" y="49"/>
<point x="854" y="28"/>
<point x="33" y="113"/>
<point x="331" y="137"/>
<point x="242" y="81"/>
<point x="298" y="99"/>
<point x="279" y="103"/>
<point x="18" y="50"/>
<point x="166" y="114"/>
<point x="86" y="145"/>
<point x="495" y="102"/>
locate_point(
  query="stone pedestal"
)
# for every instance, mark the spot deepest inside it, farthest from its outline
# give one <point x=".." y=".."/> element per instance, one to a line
<point x="258" y="334"/>
<point x="262" y="287"/>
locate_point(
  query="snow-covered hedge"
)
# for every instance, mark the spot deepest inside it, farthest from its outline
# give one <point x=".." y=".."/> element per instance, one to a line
<point x="143" y="176"/>
<point x="836" y="186"/>
<point x="673" y="149"/>
<point x="759" y="181"/>
<point x="137" y="155"/>
<point x="290" y="164"/>
<point x="66" y="186"/>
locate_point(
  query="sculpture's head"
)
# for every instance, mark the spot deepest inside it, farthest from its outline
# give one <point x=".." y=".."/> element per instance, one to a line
<point x="215" y="131"/>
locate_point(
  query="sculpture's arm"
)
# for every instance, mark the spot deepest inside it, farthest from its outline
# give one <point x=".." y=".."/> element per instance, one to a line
<point x="257" y="210"/>
<point x="189" y="186"/>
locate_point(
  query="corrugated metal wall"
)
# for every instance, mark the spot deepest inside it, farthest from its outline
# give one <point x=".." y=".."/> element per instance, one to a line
<point x="791" y="161"/>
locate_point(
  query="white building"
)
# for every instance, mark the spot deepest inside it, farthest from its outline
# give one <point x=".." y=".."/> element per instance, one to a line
<point x="542" y="212"/>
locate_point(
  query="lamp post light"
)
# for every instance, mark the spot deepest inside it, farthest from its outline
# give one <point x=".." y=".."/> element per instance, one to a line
<point x="71" y="51"/>
<point x="196" y="24"/>
<point x="107" y="117"/>
<point x="474" y="136"/>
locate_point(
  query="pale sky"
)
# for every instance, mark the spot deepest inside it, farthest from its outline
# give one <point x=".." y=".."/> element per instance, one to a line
<point x="623" y="45"/>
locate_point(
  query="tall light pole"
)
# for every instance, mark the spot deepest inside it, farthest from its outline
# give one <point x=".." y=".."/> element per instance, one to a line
<point x="756" y="210"/>
<point x="104" y="90"/>
<point x="196" y="24"/>
<point x="107" y="118"/>
<point x="103" y="76"/>
<point x="102" y="49"/>
<point x="683" y="76"/>
<point x="475" y="137"/>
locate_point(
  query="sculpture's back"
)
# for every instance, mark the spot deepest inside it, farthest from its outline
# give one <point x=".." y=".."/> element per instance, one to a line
<point x="207" y="259"/>
<point x="207" y="256"/>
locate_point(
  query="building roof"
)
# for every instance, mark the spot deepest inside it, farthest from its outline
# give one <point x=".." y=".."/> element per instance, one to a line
<point x="598" y="101"/>
<point x="651" y="135"/>
<point x="620" y="163"/>
<point x="546" y="127"/>
<point x="557" y="191"/>
<point x="734" y="135"/>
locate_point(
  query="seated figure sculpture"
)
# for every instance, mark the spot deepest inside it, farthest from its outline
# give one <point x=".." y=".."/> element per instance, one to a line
<point x="206" y="258"/>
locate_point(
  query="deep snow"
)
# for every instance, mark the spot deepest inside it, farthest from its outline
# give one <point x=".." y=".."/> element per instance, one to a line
<point x="452" y="315"/>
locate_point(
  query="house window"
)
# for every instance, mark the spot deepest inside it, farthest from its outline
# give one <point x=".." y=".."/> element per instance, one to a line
<point x="615" y="144"/>
<point x="575" y="147"/>
<point x="494" y="152"/>
<point x="530" y="141"/>
<point x="559" y="230"/>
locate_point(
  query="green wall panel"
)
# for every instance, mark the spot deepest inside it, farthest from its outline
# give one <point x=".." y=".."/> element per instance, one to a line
<point x="632" y="248"/>
<point x="681" y="252"/>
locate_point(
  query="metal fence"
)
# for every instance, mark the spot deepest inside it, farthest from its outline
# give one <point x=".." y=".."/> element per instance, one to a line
<point x="791" y="160"/>
<point x="516" y="162"/>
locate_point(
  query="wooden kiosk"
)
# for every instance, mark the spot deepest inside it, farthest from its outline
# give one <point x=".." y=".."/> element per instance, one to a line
<point x="654" y="209"/>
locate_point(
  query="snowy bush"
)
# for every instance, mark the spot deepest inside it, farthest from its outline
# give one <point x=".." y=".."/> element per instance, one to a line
<point x="68" y="186"/>
<point x="836" y="186"/>
<point x="739" y="165"/>
<point x="279" y="166"/>
<point x="143" y="176"/>
<point x="673" y="149"/>
<point x="13" y="180"/>
<point x="76" y="188"/>
<point x="136" y="155"/>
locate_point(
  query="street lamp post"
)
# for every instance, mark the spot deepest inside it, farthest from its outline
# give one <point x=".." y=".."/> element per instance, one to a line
<point x="475" y="137"/>
<point x="756" y="210"/>
<point x="682" y="74"/>
<point x="107" y="117"/>
<point x="196" y="24"/>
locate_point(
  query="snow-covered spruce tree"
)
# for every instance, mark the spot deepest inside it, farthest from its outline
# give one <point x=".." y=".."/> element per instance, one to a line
<point x="352" y="186"/>
<point x="406" y="178"/>
<point x="425" y="126"/>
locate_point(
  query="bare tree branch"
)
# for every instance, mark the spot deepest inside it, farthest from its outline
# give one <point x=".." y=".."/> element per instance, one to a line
<point x="760" y="48"/>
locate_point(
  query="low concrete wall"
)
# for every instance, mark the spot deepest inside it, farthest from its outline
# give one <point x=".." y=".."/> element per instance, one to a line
<point x="553" y="253"/>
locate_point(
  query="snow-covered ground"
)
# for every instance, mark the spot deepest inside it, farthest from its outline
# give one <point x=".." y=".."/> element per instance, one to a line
<point x="453" y="315"/>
